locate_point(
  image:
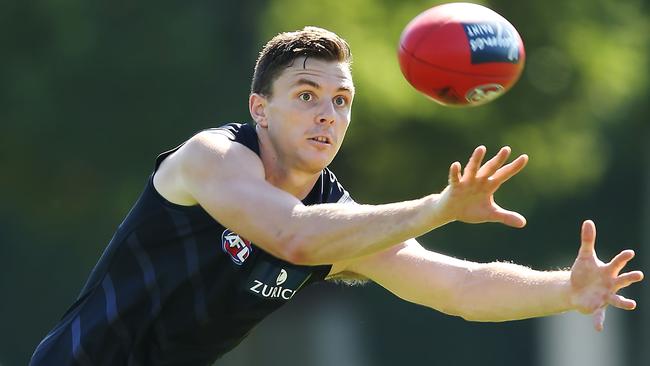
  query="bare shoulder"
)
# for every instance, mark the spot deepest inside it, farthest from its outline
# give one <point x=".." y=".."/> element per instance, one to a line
<point x="206" y="157"/>
<point x="200" y="154"/>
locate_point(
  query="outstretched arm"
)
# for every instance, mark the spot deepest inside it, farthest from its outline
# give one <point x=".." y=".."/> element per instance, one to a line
<point x="499" y="291"/>
<point x="228" y="181"/>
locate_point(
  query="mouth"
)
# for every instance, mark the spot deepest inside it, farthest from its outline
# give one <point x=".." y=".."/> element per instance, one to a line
<point x="321" y="140"/>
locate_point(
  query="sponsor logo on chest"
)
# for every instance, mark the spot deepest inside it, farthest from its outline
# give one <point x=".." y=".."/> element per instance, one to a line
<point x="268" y="277"/>
<point x="269" y="291"/>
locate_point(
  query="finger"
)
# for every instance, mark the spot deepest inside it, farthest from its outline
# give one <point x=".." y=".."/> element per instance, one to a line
<point x="475" y="161"/>
<point x="588" y="238"/>
<point x="495" y="163"/>
<point x="454" y="173"/>
<point x="599" y="318"/>
<point x="508" y="171"/>
<point x="621" y="302"/>
<point x="627" y="279"/>
<point x="510" y="218"/>
<point x="618" y="262"/>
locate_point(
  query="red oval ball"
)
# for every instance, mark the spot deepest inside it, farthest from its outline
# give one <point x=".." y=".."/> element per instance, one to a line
<point x="461" y="54"/>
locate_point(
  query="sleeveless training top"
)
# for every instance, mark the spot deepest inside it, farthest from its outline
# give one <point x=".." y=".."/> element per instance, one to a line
<point x="175" y="287"/>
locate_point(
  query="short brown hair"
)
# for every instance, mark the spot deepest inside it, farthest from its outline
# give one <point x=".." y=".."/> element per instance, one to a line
<point x="284" y="48"/>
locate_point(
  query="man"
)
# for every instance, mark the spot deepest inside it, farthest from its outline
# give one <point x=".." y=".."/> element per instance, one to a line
<point x="236" y="220"/>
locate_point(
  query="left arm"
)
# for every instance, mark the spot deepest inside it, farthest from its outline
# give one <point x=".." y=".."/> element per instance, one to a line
<point x="474" y="291"/>
<point x="499" y="291"/>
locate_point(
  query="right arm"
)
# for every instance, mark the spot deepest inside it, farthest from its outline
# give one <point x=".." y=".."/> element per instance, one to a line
<point x="228" y="181"/>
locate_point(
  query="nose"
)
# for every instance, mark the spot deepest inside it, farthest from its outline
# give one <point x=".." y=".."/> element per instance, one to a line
<point x="327" y="114"/>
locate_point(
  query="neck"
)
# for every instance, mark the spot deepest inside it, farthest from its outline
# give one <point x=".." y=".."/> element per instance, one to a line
<point x="280" y="172"/>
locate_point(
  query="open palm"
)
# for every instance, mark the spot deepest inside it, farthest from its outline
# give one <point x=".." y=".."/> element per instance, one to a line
<point x="594" y="284"/>
<point x="469" y="197"/>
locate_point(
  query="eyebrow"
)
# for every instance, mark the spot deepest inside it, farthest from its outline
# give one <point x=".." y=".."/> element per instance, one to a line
<point x="316" y="85"/>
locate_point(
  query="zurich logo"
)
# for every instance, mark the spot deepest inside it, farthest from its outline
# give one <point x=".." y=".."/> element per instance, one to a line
<point x="238" y="248"/>
<point x="281" y="277"/>
<point x="268" y="291"/>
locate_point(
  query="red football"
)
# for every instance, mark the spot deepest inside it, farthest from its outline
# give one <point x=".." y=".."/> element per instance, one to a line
<point x="461" y="54"/>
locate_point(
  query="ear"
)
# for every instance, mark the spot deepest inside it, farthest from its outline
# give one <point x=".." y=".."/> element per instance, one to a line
<point x="257" y="109"/>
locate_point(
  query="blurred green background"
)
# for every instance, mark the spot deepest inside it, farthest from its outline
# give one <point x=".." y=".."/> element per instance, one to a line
<point x="91" y="91"/>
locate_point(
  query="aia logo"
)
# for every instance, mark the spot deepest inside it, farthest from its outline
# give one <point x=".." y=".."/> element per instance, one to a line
<point x="237" y="247"/>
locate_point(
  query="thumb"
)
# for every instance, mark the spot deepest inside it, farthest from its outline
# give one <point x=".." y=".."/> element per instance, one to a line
<point x="599" y="318"/>
<point x="510" y="218"/>
<point x="454" y="174"/>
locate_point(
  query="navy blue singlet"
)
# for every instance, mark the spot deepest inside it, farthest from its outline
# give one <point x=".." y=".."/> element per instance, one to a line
<point x="175" y="287"/>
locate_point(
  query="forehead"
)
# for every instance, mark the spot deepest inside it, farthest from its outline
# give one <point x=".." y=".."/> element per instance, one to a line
<point x="328" y="73"/>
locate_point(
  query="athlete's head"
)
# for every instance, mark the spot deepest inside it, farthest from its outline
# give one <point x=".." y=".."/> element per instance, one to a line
<point x="282" y="50"/>
<point x="301" y="97"/>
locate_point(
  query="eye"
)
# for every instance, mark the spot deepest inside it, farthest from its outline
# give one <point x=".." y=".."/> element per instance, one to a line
<point x="306" y="97"/>
<point x="340" y="101"/>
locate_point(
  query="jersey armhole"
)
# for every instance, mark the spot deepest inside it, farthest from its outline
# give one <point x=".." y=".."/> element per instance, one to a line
<point x="236" y="132"/>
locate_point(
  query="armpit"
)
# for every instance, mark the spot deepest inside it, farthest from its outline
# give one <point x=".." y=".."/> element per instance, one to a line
<point x="348" y="278"/>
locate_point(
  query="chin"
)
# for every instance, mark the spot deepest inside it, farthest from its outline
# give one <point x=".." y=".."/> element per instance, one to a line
<point x="315" y="168"/>
<point x="315" y="165"/>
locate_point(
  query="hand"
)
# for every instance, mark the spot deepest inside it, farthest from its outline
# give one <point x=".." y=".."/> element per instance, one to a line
<point x="594" y="284"/>
<point x="470" y="197"/>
